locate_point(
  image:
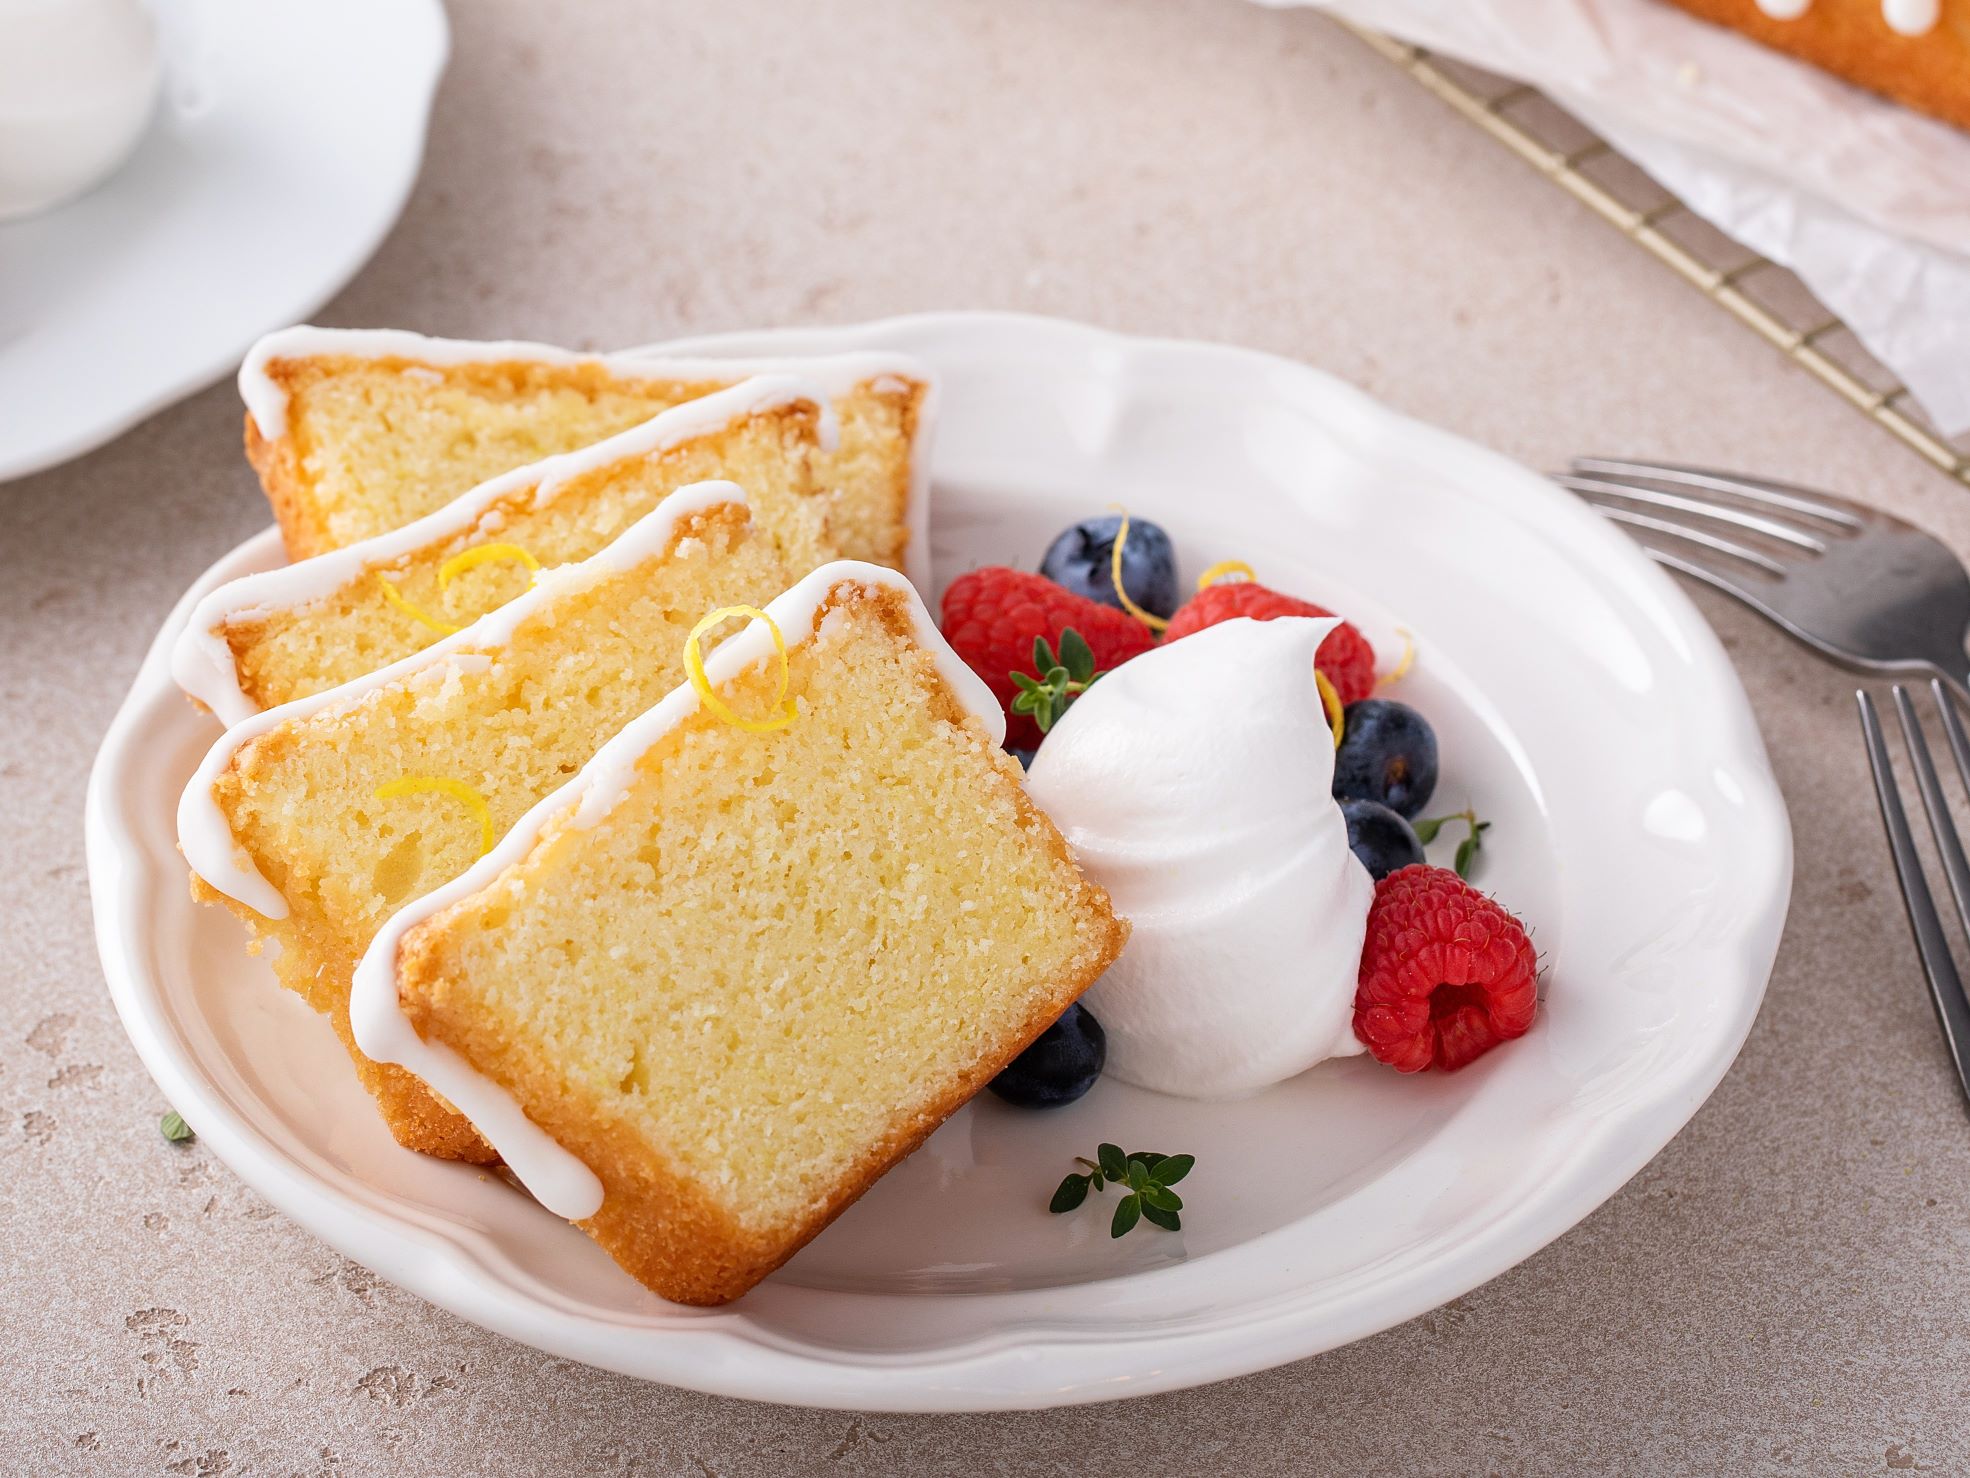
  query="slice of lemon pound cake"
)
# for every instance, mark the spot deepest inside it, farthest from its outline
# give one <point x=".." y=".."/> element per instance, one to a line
<point x="316" y="821"/>
<point x="270" y="638"/>
<point x="775" y="933"/>
<point x="357" y="432"/>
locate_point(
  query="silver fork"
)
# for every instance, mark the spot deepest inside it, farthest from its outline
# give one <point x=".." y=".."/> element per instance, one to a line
<point x="1859" y="586"/>
<point x="1931" y="943"/>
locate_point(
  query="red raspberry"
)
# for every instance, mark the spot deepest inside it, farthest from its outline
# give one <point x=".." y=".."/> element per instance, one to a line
<point x="1345" y="656"/>
<point x="1446" y="974"/>
<point x="991" y="617"/>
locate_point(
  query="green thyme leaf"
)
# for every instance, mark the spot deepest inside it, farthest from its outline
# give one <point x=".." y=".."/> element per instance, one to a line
<point x="1173" y="1168"/>
<point x="1146" y="1177"/>
<point x="1071" y="1193"/>
<point x="174" y="1128"/>
<point x="1076" y="656"/>
<point x="1127" y="1211"/>
<point x="1057" y="679"/>
<point x="1468" y="849"/>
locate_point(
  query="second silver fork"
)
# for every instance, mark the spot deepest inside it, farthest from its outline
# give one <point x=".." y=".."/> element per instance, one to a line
<point x="1946" y="991"/>
<point x="1859" y="586"/>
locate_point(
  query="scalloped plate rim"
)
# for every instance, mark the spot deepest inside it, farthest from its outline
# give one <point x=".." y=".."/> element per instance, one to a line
<point x="1028" y="1362"/>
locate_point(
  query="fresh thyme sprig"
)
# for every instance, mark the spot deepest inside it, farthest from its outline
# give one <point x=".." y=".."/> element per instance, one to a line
<point x="1468" y="849"/>
<point x="1148" y="1177"/>
<point x="1061" y="679"/>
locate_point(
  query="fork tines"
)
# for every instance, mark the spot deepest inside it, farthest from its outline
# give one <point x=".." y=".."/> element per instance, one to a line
<point x="1704" y="508"/>
<point x="1856" y="584"/>
<point x="1946" y="990"/>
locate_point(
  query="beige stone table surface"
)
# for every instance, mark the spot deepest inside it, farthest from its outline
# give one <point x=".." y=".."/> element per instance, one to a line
<point x="1785" y="1289"/>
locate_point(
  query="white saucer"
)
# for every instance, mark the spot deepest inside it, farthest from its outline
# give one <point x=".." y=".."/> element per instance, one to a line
<point x="1582" y="705"/>
<point x="285" y="144"/>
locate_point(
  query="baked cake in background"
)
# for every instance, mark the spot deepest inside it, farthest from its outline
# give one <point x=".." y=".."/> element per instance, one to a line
<point x="269" y="638"/>
<point x="757" y="951"/>
<point x="355" y="432"/>
<point x="1914" y="51"/>
<point x="315" y="822"/>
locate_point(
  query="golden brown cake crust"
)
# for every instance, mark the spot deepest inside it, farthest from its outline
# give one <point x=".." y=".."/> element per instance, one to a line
<point x="1849" y="38"/>
<point x="282" y="464"/>
<point x="284" y="651"/>
<point x="280" y="478"/>
<point x="306" y="471"/>
<point x="657" y="1223"/>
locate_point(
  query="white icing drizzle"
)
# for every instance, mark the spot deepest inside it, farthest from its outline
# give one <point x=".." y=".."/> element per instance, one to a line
<point x="556" y="1178"/>
<point x="206" y="836"/>
<point x="835" y="374"/>
<point x="1908" y="17"/>
<point x="1912" y="17"/>
<point x="202" y="662"/>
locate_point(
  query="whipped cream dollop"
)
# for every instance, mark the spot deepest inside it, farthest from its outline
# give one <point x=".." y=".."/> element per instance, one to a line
<point x="1195" y="783"/>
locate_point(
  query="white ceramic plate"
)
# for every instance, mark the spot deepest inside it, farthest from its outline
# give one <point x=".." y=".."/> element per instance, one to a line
<point x="1582" y="705"/>
<point x="285" y="144"/>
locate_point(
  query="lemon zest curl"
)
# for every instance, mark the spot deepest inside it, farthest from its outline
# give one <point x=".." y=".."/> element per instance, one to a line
<point x="1152" y="621"/>
<point x="1331" y="701"/>
<point x="1224" y="569"/>
<point x="1401" y="669"/>
<point x="458" y="790"/>
<point x="397" y="598"/>
<point x="784" y="711"/>
<point x="451" y="569"/>
<point x="480" y="554"/>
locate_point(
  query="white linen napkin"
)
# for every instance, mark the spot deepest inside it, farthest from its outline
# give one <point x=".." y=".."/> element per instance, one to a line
<point x="1869" y="203"/>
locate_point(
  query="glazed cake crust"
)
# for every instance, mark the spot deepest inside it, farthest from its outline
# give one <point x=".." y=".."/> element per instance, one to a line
<point x="1849" y="38"/>
<point x="456" y="423"/>
<point x="290" y="467"/>
<point x="291" y="649"/>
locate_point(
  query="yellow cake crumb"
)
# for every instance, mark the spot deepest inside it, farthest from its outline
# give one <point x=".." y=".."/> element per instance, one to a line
<point x="777" y="962"/>
<point x="353" y="809"/>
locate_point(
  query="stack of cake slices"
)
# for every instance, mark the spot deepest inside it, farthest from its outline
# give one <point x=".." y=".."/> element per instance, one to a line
<point x="601" y="778"/>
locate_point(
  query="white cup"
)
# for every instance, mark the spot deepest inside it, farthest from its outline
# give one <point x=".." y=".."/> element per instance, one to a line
<point x="78" y="81"/>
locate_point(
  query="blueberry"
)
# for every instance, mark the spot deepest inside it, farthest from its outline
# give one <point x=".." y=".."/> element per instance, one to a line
<point x="1082" y="560"/>
<point x="1387" y="755"/>
<point x="1059" y="1067"/>
<point x="1381" y="839"/>
<point x="1024" y="756"/>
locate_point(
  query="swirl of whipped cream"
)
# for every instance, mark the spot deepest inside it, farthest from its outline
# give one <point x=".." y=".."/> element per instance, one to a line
<point x="1195" y="784"/>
